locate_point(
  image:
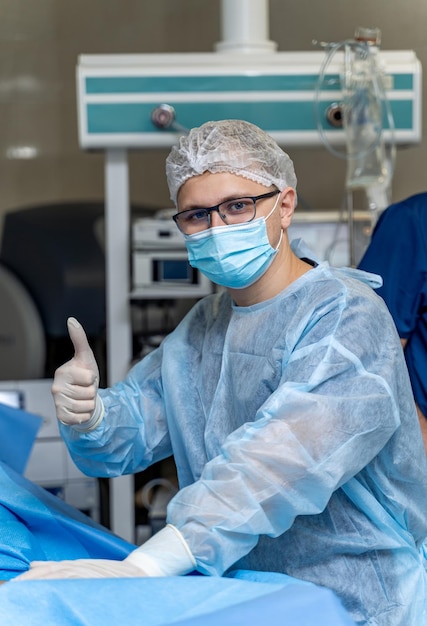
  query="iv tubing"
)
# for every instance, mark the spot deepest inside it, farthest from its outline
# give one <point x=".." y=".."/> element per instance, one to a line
<point x="349" y="45"/>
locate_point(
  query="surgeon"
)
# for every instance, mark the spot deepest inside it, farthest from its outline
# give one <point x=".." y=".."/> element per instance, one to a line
<point x="284" y="399"/>
<point x="398" y="252"/>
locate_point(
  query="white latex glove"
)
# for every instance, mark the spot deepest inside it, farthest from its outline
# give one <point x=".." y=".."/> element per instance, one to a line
<point x="75" y="385"/>
<point x="81" y="568"/>
<point x="165" y="554"/>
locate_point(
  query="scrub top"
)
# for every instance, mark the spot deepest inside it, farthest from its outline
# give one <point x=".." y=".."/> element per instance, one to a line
<point x="398" y="252"/>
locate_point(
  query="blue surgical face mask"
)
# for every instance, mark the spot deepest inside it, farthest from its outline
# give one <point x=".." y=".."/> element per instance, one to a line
<point x="233" y="256"/>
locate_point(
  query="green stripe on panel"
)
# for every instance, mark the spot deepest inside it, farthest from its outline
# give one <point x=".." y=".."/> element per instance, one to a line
<point x="133" y="118"/>
<point x="209" y="84"/>
<point x="196" y="84"/>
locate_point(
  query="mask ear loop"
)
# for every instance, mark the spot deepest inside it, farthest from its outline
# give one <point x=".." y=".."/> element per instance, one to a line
<point x="280" y="240"/>
<point x="271" y="213"/>
<point x="274" y="208"/>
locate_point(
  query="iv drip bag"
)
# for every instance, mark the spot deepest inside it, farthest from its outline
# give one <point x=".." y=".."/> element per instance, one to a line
<point x="362" y="113"/>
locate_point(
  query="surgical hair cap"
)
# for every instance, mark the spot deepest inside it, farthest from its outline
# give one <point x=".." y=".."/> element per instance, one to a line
<point x="233" y="146"/>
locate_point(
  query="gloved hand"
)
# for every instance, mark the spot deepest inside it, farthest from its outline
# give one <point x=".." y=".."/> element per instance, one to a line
<point x="81" y="568"/>
<point x="165" y="554"/>
<point x="75" y="385"/>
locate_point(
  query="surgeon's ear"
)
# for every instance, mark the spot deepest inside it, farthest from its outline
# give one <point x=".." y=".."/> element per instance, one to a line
<point x="287" y="206"/>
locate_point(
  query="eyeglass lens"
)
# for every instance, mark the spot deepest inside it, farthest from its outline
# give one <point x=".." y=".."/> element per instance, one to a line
<point x="231" y="212"/>
<point x="236" y="211"/>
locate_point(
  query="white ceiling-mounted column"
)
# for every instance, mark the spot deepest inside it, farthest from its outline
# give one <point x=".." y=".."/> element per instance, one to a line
<point x="245" y="27"/>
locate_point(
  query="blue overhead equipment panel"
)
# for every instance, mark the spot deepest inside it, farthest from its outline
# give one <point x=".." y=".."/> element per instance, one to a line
<point x="280" y="92"/>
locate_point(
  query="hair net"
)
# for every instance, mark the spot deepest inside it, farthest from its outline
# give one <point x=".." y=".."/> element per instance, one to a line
<point x="233" y="146"/>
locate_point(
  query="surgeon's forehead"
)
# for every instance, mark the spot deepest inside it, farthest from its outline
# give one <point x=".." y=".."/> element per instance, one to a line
<point x="210" y="189"/>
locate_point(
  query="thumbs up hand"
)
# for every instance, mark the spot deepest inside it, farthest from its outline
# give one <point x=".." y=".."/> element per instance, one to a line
<point x="75" y="385"/>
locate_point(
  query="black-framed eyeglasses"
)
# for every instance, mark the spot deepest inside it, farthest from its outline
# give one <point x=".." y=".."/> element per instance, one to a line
<point x="236" y="211"/>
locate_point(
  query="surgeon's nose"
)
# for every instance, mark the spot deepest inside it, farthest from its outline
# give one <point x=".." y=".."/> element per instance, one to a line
<point x="216" y="220"/>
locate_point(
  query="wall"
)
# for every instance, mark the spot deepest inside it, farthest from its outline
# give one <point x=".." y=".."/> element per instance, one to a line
<point x="40" y="40"/>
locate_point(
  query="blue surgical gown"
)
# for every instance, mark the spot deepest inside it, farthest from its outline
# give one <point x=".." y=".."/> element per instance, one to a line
<point x="398" y="251"/>
<point x="295" y="437"/>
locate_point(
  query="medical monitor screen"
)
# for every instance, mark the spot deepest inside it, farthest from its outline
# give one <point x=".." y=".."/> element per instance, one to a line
<point x="174" y="271"/>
